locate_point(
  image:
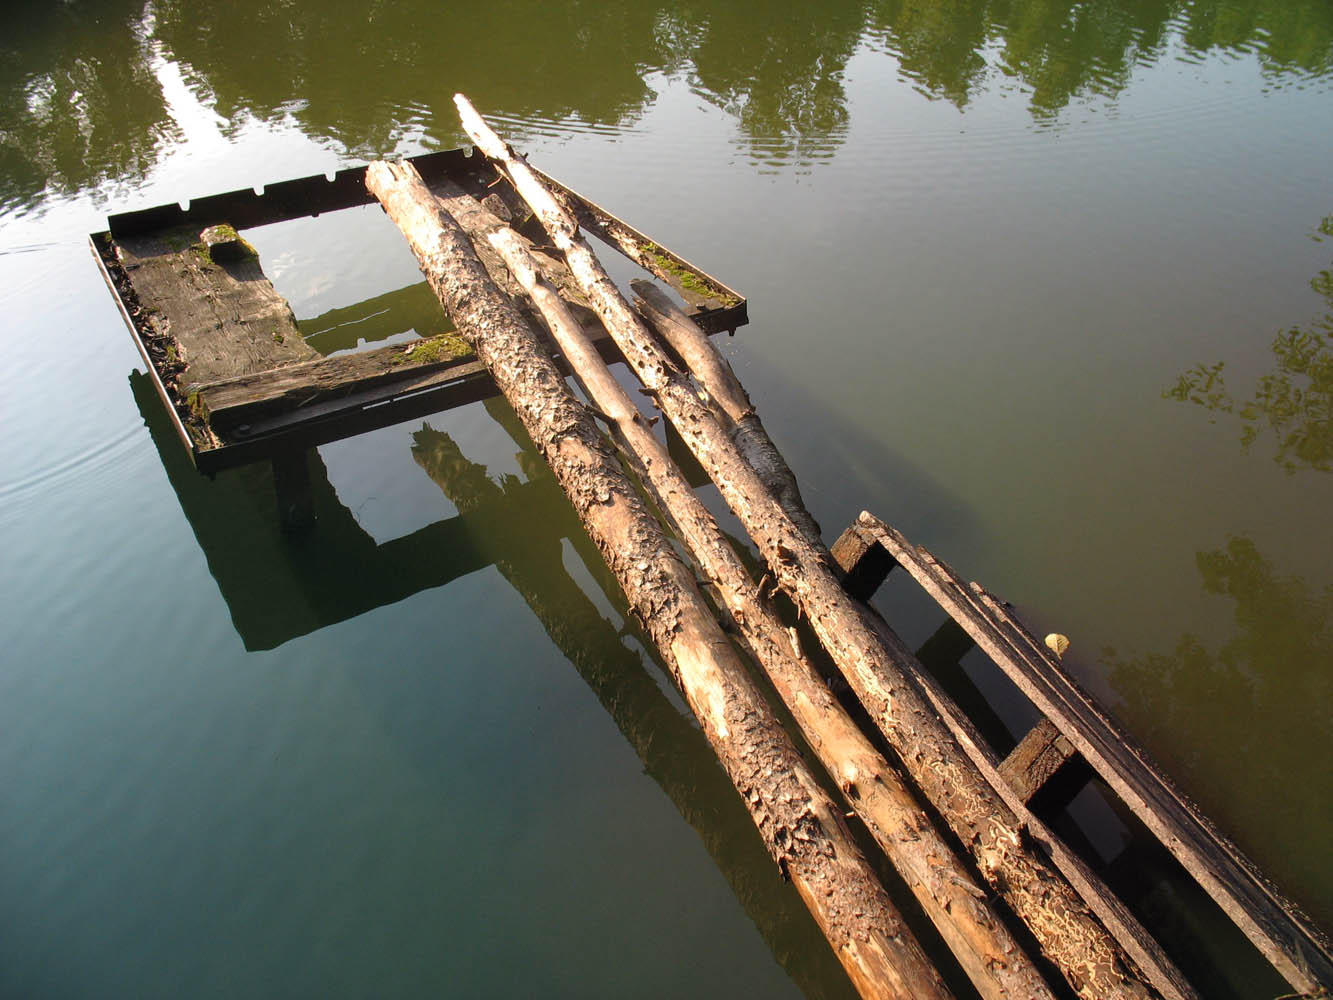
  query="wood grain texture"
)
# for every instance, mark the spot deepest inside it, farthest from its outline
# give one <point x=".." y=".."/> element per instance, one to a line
<point x="245" y="399"/>
<point x="227" y="319"/>
<point x="938" y="878"/>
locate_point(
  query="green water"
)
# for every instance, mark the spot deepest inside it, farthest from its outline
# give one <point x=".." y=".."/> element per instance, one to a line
<point x="995" y="253"/>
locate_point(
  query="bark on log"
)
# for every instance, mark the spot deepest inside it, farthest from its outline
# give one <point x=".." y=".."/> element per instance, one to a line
<point x="799" y="823"/>
<point x="879" y="667"/>
<point x="948" y="894"/>
<point x="712" y="371"/>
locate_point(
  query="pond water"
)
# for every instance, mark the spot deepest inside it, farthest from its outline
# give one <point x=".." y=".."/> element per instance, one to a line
<point x="1045" y="284"/>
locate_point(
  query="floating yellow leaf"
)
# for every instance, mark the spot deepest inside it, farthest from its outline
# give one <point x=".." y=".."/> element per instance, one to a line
<point x="1057" y="643"/>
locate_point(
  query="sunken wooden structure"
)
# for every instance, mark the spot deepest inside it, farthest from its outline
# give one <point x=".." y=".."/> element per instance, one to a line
<point x="222" y="345"/>
<point x="501" y="244"/>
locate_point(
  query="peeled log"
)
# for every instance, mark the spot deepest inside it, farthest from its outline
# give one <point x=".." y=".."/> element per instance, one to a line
<point x="729" y="398"/>
<point x="878" y="669"/>
<point x="953" y="901"/>
<point x="799" y="823"/>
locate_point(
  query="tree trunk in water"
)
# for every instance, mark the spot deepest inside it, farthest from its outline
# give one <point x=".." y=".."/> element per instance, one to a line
<point x="800" y="824"/>
<point x="879" y="669"/>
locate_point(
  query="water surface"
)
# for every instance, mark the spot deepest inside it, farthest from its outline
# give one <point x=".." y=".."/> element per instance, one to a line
<point x="1045" y="285"/>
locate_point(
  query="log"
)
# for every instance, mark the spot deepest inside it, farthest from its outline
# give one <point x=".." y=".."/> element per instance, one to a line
<point x="713" y="372"/>
<point x="939" y="880"/>
<point x="878" y="666"/>
<point x="799" y="823"/>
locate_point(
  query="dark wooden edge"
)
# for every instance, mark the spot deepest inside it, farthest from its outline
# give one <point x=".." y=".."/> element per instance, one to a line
<point x="1286" y="937"/>
<point x="625" y="239"/>
<point x="104" y="238"/>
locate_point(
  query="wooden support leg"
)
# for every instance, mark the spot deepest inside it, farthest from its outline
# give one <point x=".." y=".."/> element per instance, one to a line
<point x="864" y="562"/>
<point x="291" y="483"/>
<point x="1039" y="757"/>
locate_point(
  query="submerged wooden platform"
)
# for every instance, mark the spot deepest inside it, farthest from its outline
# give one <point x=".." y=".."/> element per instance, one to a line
<point x="1074" y="730"/>
<point x="224" y="348"/>
<point x="240" y="383"/>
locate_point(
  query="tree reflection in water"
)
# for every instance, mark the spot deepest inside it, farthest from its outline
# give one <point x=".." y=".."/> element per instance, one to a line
<point x="80" y="102"/>
<point x="1278" y="664"/>
<point x="1294" y="400"/>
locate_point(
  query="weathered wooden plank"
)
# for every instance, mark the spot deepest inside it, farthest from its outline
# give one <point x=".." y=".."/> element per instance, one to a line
<point x="1037" y="758"/>
<point x="226" y="318"/>
<point x="245" y="399"/>
<point x="1299" y="951"/>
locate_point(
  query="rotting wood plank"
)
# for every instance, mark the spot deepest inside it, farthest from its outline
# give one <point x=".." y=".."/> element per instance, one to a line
<point x="226" y="318"/>
<point x="875" y="662"/>
<point x="244" y="399"/>
<point x="800" y="824"/>
<point x="1131" y="935"/>
<point x="1299" y="951"/>
<point x="937" y="877"/>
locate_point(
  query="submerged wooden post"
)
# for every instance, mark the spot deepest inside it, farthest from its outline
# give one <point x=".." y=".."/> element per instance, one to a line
<point x="939" y="880"/>
<point x="291" y="483"/>
<point x="877" y="665"/>
<point x="799" y="823"/>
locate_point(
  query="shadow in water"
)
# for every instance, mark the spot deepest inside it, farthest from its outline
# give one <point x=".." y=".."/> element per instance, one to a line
<point x="278" y="588"/>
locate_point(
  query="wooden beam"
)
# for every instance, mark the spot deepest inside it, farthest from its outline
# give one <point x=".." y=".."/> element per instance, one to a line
<point x="246" y="399"/>
<point x="864" y="563"/>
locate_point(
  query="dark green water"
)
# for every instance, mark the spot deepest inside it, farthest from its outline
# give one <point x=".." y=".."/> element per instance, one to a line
<point x="995" y="253"/>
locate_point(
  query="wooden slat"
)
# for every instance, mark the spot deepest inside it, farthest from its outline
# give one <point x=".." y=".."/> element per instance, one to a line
<point x="1299" y="951"/>
<point x="1131" y="935"/>
<point x="245" y="399"/>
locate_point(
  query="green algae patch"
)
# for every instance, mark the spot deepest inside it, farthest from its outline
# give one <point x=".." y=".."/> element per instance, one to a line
<point x="688" y="280"/>
<point x="442" y="347"/>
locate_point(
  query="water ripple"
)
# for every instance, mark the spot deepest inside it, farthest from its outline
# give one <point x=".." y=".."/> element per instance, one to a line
<point x="91" y="463"/>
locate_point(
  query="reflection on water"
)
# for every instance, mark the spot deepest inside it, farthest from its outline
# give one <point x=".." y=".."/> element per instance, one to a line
<point x="79" y="103"/>
<point x="1295" y="400"/>
<point x="1277" y="666"/>
<point x="411" y="311"/>
<point x="82" y="104"/>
